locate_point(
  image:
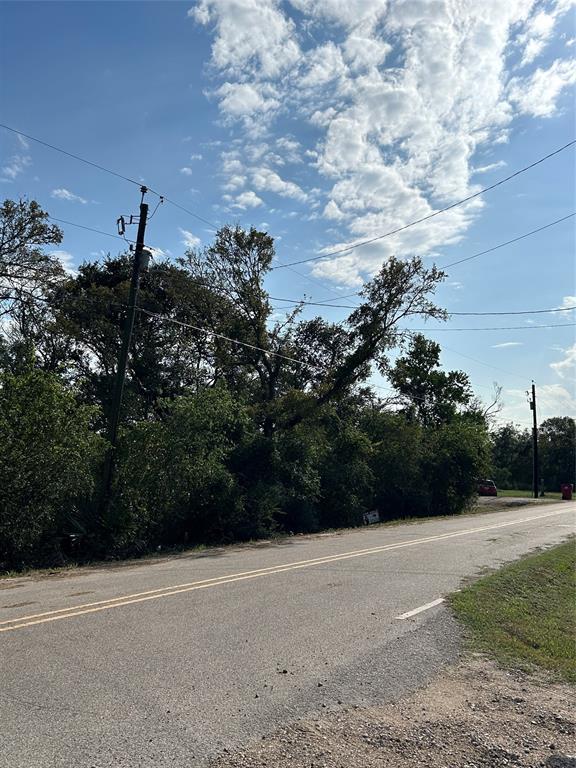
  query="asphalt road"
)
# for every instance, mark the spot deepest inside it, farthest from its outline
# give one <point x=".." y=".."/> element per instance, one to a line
<point x="168" y="662"/>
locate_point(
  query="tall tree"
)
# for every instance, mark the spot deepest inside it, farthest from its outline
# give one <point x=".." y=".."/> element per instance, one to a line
<point x="27" y="272"/>
<point x="433" y="396"/>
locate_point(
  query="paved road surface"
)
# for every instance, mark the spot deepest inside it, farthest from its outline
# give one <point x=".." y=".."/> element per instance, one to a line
<point x="167" y="662"/>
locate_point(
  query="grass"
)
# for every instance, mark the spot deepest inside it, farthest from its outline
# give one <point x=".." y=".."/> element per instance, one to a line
<point x="529" y="494"/>
<point x="525" y="614"/>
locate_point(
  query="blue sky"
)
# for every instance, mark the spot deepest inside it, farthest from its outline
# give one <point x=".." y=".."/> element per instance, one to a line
<point x="324" y="122"/>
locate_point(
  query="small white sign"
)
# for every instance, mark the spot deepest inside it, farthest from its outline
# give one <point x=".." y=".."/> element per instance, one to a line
<point x="371" y="517"/>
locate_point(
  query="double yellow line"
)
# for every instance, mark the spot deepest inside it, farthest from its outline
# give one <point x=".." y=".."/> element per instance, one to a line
<point x="9" y="625"/>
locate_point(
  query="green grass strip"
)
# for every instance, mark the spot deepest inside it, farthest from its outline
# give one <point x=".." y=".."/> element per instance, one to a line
<point x="525" y="614"/>
<point x="529" y="494"/>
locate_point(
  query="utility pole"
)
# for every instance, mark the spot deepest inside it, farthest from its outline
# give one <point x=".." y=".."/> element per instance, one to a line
<point x="534" y="443"/>
<point x="114" y="421"/>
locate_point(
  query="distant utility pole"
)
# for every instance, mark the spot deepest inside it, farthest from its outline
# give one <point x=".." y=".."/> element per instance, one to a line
<point x="137" y="266"/>
<point x="534" y="442"/>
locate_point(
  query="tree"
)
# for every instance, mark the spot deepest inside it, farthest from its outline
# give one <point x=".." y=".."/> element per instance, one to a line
<point x="26" y="271"/>
<point x="81" y="337"/>
<point x="557" y="447"/>
<point x="433" y="396"/>
<point x="512" y="457"/>
<point x="48" y="459"/>
<point x="174" y="479"/>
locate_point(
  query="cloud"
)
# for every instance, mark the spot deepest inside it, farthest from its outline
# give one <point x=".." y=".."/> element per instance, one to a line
<point x="506" y="344"/>
<point x="243" y="99"/>
<point x="539" y="28"/>
<point x="489" y="167"/>
<point x="188" y="239"/>
<point x="252" y="36"/>
<point x="66" y="259"/>
<point x="195" y="156"/>
<point x="247" y="200"/>
<point x="538" y="93"/>
<point x="566" y="368"/>
<point x="16" y="165"/>
<point x="64" y="194"/>
<point x="387" y="100"/>
<point x="551" y="400"/>
<point x="266" y="179"/>
<point x="568" y="301"/>
<point x="186" y="171"/>
<point x="557" y="400"/>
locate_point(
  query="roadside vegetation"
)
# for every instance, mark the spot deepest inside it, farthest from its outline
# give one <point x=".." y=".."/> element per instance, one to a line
<point x="512" y="456"/>
<point x="237" y="423"/>
<point x="525" y="613"/>
<point x="523" y="494"/>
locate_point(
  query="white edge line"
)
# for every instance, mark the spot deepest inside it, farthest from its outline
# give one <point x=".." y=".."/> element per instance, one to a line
<point x="409" y="614"/>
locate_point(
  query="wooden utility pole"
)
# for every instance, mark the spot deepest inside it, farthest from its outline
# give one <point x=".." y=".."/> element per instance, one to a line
<point x="124" y="351"/>
<point x="535" y="472"/>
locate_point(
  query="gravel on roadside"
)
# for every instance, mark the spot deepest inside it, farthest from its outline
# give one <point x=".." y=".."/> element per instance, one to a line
<point x="475" y="715"/>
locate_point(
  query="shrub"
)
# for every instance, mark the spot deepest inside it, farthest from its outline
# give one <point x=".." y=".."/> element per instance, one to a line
<point x="49" y="459"/>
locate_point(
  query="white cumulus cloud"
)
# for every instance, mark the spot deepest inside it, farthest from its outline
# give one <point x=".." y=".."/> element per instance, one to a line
<point x="66" y="259"/>
<point x="65" y="194"/>
<point x="247" y="199"/>
<point x="566" y="368"/>
<point x="16" y="165"/>
<point x="538" y="93"/>
<point x="189" y="239"/>
<point x="396" y="99"/>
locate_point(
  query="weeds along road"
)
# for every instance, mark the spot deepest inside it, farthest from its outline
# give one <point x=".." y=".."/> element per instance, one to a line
<point x="167" y="662"/>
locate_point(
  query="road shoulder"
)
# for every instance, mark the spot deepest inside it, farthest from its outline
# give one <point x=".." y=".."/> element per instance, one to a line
<point x="474" y="714"/>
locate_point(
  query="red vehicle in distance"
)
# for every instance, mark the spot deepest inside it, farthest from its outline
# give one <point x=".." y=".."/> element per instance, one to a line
<point x="487" y="488"/>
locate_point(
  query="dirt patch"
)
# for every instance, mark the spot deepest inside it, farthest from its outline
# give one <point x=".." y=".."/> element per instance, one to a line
<point x="475" y="716"/>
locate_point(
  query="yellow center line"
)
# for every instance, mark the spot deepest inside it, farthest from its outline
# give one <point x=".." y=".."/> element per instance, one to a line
<point x="152" y="594"/>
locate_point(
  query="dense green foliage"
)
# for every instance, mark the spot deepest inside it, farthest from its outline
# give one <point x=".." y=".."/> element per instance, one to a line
<point x="234" y="425"/>
<point x="49" y="457"/>
<point x="512" y="454"/>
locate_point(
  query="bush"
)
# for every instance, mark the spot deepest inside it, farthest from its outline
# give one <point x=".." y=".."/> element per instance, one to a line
<point x="346" y="477"/>
<point x="455" y="456"/>
<point x="173" y="482"/>
<point x="49" y="459"/>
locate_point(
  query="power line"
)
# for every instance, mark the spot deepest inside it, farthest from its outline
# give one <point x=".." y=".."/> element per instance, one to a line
<point x="105" y="170"/>
<point x="481" y="253"/>
<point x="499" y="328"/>
<point x="191" y="213"/>
<point x="254" y="347"/>
<point x="90" y="229"/>
<point x="509" y="242"/>
<point x="481" y="362"/>
<point x="297" y="302"/>
<point x="353" y="246"/>
<point x="75" y="157"/>
<point x="520" y="312"/>
<point x="220" y="336"/>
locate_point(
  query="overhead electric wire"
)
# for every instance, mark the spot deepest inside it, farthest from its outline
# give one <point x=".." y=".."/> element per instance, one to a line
<point x="74" y="156"/>
<point x="483" y="191"/>
<point x="191" y="213"/>
<point x="519" y="312"/>
<point x="481" y="362"/>
<point x="296" y="303"/>
<point x="254" y="347"/>
<point x="90" y="229"/>
<point x="468" y="258"/>
<point x="106" y="170"/>
<point x="499" y="328"/>
<point x="509" y="242"/>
